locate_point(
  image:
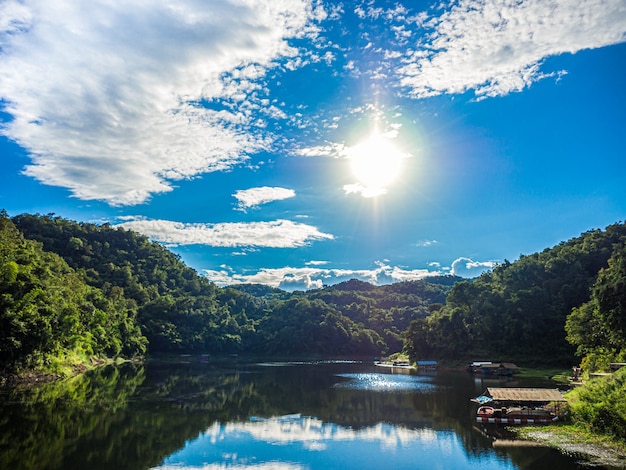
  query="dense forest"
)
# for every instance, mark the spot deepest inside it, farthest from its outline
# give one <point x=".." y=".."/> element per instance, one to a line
<point x="548" y="306"/>
<point x="47" y="310"/>
<point x="81" y="289"/>
<point x="101" y="290"/>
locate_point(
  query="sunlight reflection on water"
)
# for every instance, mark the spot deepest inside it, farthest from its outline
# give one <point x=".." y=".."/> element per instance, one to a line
<point x="386" y="382"/>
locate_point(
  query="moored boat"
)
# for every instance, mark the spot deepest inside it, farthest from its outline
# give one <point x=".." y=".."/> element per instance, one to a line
<point x="401" y="364"/>
<point x="515" y="415"/>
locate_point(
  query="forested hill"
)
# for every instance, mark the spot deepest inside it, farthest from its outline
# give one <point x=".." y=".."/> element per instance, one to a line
<point x="48" y="311"/>
<point x="126" y="293"/>
<point x="542" y="307"/>
<point x="69" y="288"/>
<point x="380" y="314"/>
<point x="387" y="309"/>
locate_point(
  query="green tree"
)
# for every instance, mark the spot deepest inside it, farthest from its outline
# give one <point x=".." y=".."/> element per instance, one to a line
<point x="598" y="327"/>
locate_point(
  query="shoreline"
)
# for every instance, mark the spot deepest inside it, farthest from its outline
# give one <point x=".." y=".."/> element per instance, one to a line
<point x="29" y="378"/>
<point x="572" y="441"/>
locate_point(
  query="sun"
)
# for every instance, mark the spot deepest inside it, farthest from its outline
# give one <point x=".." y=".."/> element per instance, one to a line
<point x="376" y="163"/>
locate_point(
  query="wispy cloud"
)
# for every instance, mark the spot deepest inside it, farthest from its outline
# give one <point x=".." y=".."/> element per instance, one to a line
<point x="118" y="100"/>
<point x="365" y="191"/>
<point x="273" y="234"/>
<point x="495" y="47"/>
<point x="254" y="197"/>
<point x="334" y="150"/>
<point x="316" y="263"/>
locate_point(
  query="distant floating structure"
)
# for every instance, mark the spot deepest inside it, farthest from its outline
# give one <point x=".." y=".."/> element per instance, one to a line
<point x="493" y="368"/>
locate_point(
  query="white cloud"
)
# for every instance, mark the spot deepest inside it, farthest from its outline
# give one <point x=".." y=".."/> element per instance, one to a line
<point x="287" y="278"/>
<point x="495" y="47"/>
<point x="253" y="197"/>
<point x="313" y="277"/>
<point x="466" y="267"/>
<point x="274" y="234"/>
<point x="104" y="98"/>
<point x="316" y="263"/>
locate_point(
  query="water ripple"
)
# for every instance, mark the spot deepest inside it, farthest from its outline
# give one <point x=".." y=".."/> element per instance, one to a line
<point x="386" y="382"/>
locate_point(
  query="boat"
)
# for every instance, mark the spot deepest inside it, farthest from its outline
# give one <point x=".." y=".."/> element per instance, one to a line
<point x="395" y="364"/>
<point x="493" y="368"/>
<point x="515" y="415"/>
<point x="518" y="405"/>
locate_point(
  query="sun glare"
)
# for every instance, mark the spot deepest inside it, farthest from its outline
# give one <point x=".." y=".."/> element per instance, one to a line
<point x="376" y="163"/>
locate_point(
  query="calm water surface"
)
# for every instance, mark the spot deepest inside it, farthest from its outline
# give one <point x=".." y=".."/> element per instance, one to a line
<point x="217" y="414"/>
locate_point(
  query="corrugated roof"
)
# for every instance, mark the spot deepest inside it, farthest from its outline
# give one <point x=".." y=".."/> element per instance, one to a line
<point x="525" y="394"/>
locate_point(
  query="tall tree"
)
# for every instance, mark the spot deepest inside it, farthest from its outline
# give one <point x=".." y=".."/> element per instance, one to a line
<point x="598" y="327"/>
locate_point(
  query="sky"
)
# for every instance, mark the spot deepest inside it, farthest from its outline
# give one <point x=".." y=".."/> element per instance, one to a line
<point x="300" y="143"/>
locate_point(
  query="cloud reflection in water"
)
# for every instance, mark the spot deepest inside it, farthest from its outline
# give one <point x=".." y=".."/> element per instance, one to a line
<point x="301" y="442"/>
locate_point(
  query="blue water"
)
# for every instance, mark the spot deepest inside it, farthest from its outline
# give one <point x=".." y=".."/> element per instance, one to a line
<point x="367" y="418"/>
<point x="194" y="413"/>
<point x="305" y="442"/>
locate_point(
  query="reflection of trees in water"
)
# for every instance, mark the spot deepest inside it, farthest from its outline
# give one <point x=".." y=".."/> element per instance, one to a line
<point x="39" y="425"/>
<point x="116" y="417"/>
<point x="311" y="390"/>
<point x="133" y="416"/>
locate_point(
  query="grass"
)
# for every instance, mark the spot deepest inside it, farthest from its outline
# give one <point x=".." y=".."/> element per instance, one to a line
<point x="573" y="433"/>
<point x="558" y="375"/>
<point x="576" y="439"/>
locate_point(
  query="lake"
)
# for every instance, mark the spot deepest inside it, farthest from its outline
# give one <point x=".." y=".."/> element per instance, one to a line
<point x="199" y="413"/>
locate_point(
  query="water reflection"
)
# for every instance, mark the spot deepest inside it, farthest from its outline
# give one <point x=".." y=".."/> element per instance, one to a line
<point x="232" y="414"/>
<point x="386" y="382"/>
<point x="295" y="441"/>
<point x="38" y="424"/>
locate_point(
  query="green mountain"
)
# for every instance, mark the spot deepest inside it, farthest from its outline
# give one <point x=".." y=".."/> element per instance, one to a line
<point x="79" y="288"/>
<point x="519" y="310"/>
<point x="170" y="308"/>
<point x="47" y="310"/>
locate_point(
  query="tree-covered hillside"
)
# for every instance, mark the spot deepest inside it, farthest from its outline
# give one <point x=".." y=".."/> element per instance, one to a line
<point x="389" y="309"/>
<point x="353" y="316"/>
<point x="47" y="310"/>
<point x="519" y="310"/>
<point x="69" y="287"/>
<point x="598" y="327"/>
<point x="176" y="310"/>
<point x="173" y="309"/>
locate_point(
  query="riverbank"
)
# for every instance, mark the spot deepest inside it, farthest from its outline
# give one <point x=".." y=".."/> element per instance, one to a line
<point x="61" y="370"/>
<point x="575" y="440"/>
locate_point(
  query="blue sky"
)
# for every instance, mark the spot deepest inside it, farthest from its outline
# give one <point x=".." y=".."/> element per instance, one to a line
<point x="300" y="143"/>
